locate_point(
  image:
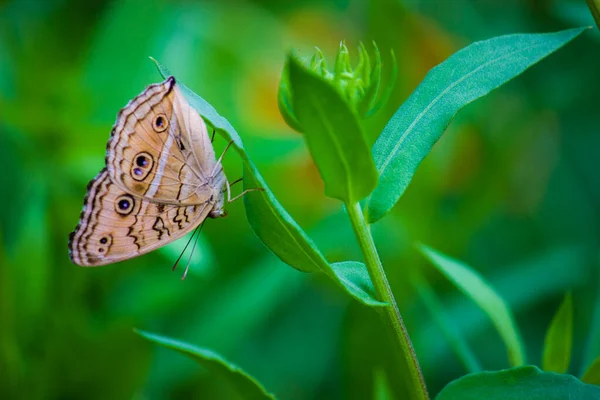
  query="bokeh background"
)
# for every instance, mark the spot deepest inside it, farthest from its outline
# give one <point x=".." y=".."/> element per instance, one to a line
<point x="513" y="188"/>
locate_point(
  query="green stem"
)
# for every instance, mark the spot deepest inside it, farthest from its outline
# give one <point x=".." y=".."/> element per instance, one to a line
<point x="384" y="293"/>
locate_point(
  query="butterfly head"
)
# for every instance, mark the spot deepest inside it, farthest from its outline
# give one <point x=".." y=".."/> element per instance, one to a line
<point x="218" y="208"/>
<point x="221" y="213"/>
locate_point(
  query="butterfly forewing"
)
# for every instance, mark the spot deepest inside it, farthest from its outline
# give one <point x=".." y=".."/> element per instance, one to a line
<point x="160" y="149"/>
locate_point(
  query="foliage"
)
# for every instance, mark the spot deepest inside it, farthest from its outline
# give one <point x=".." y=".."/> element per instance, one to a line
<point x="244" y="384"/>
<point x="559" y="338"/>
<point x="473" y="285"/>
<point x="523" y="383"/>
<point x="464" y="77"/>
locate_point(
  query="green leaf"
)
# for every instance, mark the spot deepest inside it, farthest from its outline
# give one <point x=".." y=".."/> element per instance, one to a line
<point x="456" y="341"/>
<point x="559" y="338"/>
<point x="594" y="6"/>
<point x="372" y="80"/>
<point x="244" y="384"/>
<point x="353" y="275"/>
<point x="270" y="221"/>
<point x="276" y="228"/>
<point x="591" y="349"/>
<point x="592" y="374"/>
<point x="381" y="387"/>
<point x="333" y="134"/>
<point x="475" y="287"/>
<point x="522" y="383"/>
<point x="466" y="76"/>
<point x="284" y="101"/>
<point x="374" y="98"/>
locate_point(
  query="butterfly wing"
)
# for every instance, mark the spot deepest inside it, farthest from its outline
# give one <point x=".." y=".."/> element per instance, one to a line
<point x="115" y="225"/>
<point x="160" y="149"/>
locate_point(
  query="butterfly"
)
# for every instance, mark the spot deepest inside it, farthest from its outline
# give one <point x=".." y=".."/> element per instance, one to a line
<point x="160" y="182"/>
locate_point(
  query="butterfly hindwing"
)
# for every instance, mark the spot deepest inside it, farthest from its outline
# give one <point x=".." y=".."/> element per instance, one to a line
<point x="116" y="225"/>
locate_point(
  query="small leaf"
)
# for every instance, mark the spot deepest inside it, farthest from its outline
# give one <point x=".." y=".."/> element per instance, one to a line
<point x="559" y="338"/>
<point x="369" y="104"/>
<point x="364" y="70"/>
<point x="522" y="383"/>
<point x="466" y="76"/>
<point x="353" y="275"/>
<point x="342" y="64"/>
<point x="322" y="65"/>
<point x="592" y="374"/>
<point x="270" y="221"/>
<point x="474" y="286"/>
<point x="284" y="101"/>
<point x="389" y="88"/>
<point x="244" y="384"/>
<point x="372" y="81"/>
<point x="333" y="134"/>
<point x="363" y="67"/>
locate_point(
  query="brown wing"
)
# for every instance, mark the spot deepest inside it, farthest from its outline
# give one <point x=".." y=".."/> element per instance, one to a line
<point x="159" y="148"/>
<point x="115" y="226"/>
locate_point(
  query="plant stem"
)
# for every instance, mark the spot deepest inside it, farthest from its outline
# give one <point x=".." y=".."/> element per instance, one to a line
<point x="384" y="293"/>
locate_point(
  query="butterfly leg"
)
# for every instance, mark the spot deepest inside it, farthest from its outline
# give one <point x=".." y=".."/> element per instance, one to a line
<point x="227" y="184"/>
<point x="230" y="200"/>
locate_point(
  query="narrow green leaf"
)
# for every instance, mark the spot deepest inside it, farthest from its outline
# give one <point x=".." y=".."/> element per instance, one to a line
<point x="374" y="82"/>
<point x="374" y="97"/>
<point x="474" y="286"/>
<point x="381" y="387"/>
<point x="466" y="76"/>
<point x="270" y="221"/>
<point x="591" y="349"/>
<point x="363" y="67"/>
<point x="385" y="95"/>
<point x="522" y="383"/>
<point x="456" y="341"/>
<point x="333" y="134"/>
<point x="244" y="384"/>
<point x="559" y="338"/>
<point x="592" y="374"/>
<point x="342" y="65"/>
<point x="594" y="6"/>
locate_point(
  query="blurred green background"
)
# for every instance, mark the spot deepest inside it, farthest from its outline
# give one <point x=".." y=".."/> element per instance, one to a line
<point x="513" y="189"/>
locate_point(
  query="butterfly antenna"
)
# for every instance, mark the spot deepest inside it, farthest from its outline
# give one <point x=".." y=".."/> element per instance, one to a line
<point x="236" y="181"/>
<point x="185" y="248"/>
<point x="192" y="253"/>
